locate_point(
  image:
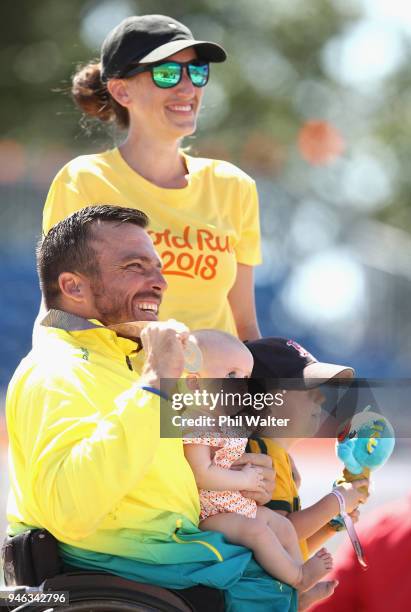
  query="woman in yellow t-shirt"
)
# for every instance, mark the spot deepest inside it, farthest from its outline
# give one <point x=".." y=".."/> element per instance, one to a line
<point x="203" y="213"/>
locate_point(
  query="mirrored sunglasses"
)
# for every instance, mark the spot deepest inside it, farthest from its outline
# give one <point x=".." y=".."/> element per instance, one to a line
<point x="169" y="74"/>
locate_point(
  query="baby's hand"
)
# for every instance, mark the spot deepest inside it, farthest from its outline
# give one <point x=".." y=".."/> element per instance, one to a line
<point x="253" y="478"/>
<point x="265" y="463"/>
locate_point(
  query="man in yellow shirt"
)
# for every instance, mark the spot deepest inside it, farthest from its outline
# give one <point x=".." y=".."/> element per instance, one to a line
<point x="87" y="462"/>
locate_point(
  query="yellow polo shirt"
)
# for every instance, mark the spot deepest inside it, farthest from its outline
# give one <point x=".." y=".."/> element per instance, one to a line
<point x="86" y="459"/>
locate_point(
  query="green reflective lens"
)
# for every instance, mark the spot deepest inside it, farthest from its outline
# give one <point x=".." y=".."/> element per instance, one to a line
<point x="169" y="74"/>
<point x="198" y="74"/>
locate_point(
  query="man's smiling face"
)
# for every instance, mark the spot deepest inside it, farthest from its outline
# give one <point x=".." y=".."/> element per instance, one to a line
<point x="129" y="285"/>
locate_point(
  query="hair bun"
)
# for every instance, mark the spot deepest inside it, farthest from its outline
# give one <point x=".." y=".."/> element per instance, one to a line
<point x="90" y="94"/>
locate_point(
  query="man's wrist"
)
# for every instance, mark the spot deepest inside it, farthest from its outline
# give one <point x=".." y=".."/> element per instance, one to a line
<point x="155" y="391"/>
<point x="165" y="386"/>
<point x="150" y="376"/>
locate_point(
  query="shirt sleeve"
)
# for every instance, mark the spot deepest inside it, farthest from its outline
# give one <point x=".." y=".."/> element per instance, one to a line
<point x="64" y="197"/>
<point x="80" y="462"/>
<point x="248" y="248"/>
<point x="205" y="441"/>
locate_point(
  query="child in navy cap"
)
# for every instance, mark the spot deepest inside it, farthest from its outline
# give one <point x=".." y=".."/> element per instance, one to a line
<point x="283" y="363"/>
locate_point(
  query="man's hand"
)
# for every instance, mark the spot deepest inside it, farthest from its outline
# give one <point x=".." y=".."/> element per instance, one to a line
<point x="268" y="472"/>
<point x="163" y="344"/>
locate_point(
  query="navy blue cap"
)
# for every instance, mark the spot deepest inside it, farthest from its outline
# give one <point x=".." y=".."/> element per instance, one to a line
<point x="282" y="358"/>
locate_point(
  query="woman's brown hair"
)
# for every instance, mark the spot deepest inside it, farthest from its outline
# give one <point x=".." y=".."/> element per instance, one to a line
<point x="92" y="96"/>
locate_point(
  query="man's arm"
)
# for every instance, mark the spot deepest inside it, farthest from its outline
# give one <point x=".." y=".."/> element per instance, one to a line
<point x="81" y="464"/>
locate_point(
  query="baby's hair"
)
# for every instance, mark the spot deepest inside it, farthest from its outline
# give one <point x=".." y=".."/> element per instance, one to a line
<point x="91" y="95"/>
<point x="211" y="339"/>
<point x="205" y="337"/>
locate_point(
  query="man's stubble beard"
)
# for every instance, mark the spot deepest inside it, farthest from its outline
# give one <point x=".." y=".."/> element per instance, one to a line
<point x="108" y="307"/>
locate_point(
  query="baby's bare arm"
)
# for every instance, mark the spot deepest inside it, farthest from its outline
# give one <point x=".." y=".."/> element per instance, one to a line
<point x="215" y="478"/>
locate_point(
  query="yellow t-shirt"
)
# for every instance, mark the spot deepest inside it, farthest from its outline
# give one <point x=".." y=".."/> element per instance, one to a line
<point x="285" y="495"/>
<point x="200" y="231"/>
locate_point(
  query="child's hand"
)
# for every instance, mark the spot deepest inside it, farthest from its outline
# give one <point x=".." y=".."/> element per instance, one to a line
<point x="355" y="515"/>
<point x="265" y="463"/>
<point x="352" y="495"/>
<point x="253" y="478"/>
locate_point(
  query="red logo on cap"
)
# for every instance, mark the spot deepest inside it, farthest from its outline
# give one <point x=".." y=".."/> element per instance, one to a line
<point x="301" y="351"/>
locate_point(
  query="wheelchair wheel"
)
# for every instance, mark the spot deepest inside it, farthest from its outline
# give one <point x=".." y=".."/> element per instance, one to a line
<point x="106" y="593"/>
<point x="92" y="606"/>
<point x="99" y="605"/>
<point x="102" y="592"/>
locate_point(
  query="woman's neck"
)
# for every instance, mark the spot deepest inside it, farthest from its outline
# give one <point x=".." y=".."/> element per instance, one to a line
<point x="160" y="163"/>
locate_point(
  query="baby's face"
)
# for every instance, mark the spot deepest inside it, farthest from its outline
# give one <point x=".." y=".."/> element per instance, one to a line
<point x="228" y="361"/>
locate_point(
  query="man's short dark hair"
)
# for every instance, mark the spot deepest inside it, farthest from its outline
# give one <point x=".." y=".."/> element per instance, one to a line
<point x="67" y="246"/>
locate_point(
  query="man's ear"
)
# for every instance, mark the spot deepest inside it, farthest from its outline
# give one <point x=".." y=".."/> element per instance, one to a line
<point x="118" y="90"/>
<point x="192" y="381"/>
<point x="73" y="286"/>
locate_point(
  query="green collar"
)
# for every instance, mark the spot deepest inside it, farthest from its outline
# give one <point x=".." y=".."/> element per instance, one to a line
<point x="71" y="323"/>
<point x="68" y="321"/>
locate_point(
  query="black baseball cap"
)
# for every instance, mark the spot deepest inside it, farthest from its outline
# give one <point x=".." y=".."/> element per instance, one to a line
<point x="281" y="358"/>
<point x="148" y="39"/>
